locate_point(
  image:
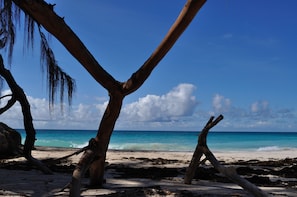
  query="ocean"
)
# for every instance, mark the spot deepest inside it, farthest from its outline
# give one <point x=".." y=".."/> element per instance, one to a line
<point x="170" y="140"/>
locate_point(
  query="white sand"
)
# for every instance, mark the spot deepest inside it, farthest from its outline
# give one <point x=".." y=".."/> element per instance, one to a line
<point x="34" y="183"/>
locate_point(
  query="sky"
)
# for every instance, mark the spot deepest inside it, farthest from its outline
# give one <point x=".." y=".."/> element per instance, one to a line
<point x="237" y="58"/>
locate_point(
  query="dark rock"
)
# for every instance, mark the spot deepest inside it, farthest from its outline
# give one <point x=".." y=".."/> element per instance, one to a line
<point x="10" y="141"/>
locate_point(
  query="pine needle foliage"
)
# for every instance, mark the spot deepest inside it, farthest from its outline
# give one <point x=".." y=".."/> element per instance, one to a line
<point x="57" y="80"/>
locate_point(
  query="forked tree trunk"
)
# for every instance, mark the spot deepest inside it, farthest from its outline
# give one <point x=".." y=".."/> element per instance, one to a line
<point x="136" y="80"/>
<point x="19" y="95"/>
<point x="95" y="155"/>
<point x="230" y="172"/>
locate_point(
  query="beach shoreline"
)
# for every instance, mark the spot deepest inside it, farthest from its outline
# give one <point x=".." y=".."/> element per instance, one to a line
<point x="114" y="155"/>
<point x="150" y="172"/>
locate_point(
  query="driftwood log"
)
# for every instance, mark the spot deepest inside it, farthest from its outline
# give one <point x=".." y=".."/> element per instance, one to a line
<point x="229" y="172"/>
<point x="19" y="95"/>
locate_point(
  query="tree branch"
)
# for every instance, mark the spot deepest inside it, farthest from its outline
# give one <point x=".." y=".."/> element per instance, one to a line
<point x="182" y="22"/>
<point x="9" y="104"/>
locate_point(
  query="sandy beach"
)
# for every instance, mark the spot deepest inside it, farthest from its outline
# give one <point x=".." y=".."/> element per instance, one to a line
<point x="146" y="173"/>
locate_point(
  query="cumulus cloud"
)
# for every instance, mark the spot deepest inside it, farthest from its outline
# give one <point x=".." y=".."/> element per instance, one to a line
<point x="172" y="106"/>
<point x="175" y="110"/>
<point x="176" y="103"/>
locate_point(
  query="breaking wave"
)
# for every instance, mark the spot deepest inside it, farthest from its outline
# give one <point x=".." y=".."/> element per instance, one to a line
<point x="273" y="148"/>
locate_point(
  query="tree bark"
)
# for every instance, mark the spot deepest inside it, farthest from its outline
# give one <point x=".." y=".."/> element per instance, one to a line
<point x="19" y="95"/>
<point x="230" y="172"/>
<point x="95" y="156"/>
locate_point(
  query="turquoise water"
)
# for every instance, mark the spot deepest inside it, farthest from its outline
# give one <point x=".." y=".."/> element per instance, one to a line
<point x="171" y="140"/>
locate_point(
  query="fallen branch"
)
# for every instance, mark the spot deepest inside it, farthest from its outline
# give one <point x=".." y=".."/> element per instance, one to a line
<point x="230" y="172"/>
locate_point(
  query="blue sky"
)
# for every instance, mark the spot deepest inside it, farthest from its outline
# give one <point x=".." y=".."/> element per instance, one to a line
<point x="237" y="58"/>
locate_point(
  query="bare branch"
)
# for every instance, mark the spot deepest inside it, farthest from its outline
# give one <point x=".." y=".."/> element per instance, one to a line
<point x="9" y="103"/>
<point x="7" y="95"/>
<point x="182" y="22"/>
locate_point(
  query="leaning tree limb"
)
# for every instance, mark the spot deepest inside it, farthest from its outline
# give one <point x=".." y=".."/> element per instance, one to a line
<point x="229" y="172"/>
<point x="19" y="95"/>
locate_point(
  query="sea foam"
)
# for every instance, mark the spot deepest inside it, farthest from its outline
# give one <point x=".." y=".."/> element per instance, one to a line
<point x="269" y="148"/>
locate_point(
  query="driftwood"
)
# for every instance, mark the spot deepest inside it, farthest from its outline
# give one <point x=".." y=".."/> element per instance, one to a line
<point x="19" y="95"/>
<point x="229" y="172"/>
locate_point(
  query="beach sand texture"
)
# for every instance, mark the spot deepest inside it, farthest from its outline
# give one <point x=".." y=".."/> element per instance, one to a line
<point x="147" y="173"/>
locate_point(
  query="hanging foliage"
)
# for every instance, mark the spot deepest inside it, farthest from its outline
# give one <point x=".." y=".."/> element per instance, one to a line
<point x="57" y="80"/>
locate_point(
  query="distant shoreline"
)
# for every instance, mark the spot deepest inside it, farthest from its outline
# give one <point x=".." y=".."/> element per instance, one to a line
<point x="241" y="151"/>
<point x="191" y="131"/>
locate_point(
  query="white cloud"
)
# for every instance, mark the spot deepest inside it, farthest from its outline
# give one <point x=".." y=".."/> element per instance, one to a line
<point x="258" y="116"/>
<point x="177" y="103"/>
<point x="175" y="110"/>
<point x="81" y="116"/>
<point x="221" y="104"/>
